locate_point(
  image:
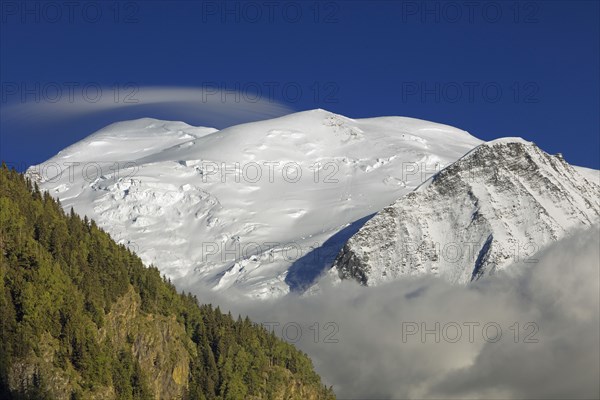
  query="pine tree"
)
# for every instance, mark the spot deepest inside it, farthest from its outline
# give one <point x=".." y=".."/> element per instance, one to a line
<point x="60" y="275"/>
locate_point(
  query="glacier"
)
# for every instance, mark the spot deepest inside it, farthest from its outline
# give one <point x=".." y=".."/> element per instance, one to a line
<point x="262" y="207"/>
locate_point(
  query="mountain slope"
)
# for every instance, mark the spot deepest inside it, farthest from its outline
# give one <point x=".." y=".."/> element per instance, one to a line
<point x="499" y="204"/>
<point x="82" y="318"/>
<point x="262" y="207"/>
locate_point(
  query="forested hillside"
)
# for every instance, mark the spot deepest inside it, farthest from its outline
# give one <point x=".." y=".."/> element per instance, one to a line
<point x="82" y="318"/>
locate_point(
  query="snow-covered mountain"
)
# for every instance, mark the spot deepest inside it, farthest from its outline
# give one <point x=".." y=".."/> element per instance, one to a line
<point x="262" y="207"/>
<point x="499" y="204"/>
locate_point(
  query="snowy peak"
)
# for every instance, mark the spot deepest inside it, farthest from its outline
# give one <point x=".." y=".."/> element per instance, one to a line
<point x="262" y="207"/>
<point x="499" y="204"/>
<point x="129" y="140"/>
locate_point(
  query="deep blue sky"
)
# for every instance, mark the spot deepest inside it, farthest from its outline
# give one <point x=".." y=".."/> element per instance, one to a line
<point x="355" y="58"/>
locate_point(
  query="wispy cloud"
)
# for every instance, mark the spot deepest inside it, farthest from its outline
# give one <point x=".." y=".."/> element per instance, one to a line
<point x="22" y="105"/>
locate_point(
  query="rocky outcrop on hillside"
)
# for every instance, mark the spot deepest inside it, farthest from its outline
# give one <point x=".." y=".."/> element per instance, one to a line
<point x="497" y="205"/>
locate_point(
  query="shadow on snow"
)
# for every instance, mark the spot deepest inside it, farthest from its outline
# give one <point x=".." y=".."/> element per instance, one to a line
<point x="305" y="271"/>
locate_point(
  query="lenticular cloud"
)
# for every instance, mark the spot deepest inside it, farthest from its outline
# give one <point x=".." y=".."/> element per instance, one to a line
<point x="208" y="103"/>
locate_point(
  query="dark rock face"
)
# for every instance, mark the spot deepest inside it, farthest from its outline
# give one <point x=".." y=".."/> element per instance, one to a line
<point x="499" y="204"/>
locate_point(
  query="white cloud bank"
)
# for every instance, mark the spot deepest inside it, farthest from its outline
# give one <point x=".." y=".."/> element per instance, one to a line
<point x="553" y="352"/>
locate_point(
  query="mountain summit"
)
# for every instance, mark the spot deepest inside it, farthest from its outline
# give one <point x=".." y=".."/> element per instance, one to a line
<point x="497" y="205"/>
<point x="262" y="207"/>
